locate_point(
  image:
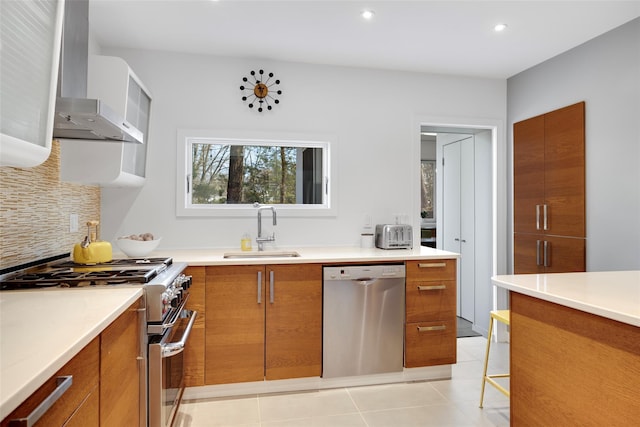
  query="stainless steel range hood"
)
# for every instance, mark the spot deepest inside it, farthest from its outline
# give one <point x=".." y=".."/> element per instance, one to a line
<point x="76" y="116"/>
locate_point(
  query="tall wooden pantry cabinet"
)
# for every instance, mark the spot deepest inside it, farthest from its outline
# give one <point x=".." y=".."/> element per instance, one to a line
<point x="549" y="192"/>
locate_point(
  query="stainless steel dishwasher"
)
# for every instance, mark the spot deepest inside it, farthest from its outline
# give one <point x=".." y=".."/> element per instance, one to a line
<point x="363" y="320"/>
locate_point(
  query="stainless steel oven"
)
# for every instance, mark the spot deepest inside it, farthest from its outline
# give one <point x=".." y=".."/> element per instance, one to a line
<point x="166" y="368"/>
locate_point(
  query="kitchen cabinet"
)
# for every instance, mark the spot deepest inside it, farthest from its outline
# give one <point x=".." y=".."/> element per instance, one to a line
<point x="549" y="192"/>
<point x="194" y="350"/>
<point x="79" y="404"/>
<point x="123" y="369"/>
<point x="107" y="376"/>
<point x="585" y="369"/>
<point x="430" y="324"/>
<point x="263" y="322"/>
<point x="31" y="34"/>
<point x="117" y="164"/>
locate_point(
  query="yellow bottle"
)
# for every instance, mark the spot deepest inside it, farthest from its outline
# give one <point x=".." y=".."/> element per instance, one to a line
<point x="245" y="242"/>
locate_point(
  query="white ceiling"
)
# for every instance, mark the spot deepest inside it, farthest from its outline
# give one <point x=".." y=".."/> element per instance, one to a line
<point x="448" y="37"/>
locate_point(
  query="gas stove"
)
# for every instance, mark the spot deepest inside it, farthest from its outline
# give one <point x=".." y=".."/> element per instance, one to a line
<point x="164" y="284"/>
<point x="69" y="274"/>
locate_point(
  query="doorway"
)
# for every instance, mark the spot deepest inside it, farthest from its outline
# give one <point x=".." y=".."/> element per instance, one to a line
<point x="467" y="210"/>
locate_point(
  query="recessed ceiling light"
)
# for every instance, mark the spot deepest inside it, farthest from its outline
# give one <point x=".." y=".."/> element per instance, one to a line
<point x="500" y="27"/>
<point x="367" y="14"/>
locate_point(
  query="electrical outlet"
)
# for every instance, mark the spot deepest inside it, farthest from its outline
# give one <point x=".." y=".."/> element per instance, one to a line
<point x="73" y="223"/>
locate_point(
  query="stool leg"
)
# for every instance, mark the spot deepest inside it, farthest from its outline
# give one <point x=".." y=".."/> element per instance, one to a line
<point x="486" y="360"/>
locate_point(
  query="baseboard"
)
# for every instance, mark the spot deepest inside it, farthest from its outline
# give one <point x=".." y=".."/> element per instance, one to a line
<point x="430" y="373"/>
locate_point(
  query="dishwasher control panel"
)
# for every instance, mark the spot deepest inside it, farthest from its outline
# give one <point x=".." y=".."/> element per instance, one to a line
<point x="359" y="272"/>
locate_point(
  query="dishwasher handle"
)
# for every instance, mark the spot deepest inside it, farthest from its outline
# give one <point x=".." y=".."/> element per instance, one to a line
<point x="365" y="281"/>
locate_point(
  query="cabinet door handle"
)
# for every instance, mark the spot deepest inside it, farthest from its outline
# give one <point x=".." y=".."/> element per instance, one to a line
<point x="432" y="265"/>
<point x="547" y="249"/>
<point x="431" y="328"/>
<point x="545" y="225"/>
<point x="431" y="287"/>
<point x="537" y="217"/>
<point x="63" y="384"/>
<point x="271" y="286"/>
<point x="259" y="287"/>
<point x="538" y="252"/>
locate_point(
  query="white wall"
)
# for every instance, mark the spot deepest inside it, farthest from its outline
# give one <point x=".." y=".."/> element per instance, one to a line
<point x="371" y="113"/>
<point x="605" y="73"/>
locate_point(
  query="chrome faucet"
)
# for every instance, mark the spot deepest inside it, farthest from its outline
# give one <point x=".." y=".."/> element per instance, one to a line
<point x="261" y="239"/>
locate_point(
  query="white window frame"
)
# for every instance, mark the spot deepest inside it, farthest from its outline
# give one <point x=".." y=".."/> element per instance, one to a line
<point x="186" y="137"/>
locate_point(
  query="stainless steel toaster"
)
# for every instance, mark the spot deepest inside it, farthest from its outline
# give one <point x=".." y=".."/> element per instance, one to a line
<point x="394" y="236"/>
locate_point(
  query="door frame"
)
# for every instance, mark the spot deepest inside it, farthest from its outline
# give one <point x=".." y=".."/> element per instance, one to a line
<point x="498" y="185"/>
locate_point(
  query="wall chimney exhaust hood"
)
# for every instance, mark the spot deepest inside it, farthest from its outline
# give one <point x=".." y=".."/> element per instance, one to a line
<point x="77" y="117"/>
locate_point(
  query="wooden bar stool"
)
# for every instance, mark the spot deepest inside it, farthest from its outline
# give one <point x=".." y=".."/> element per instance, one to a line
<point x="500" y="316"/>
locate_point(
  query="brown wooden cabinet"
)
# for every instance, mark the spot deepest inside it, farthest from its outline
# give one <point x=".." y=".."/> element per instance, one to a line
<point x="294" y="321"/>
<point x="262" y="322"/>
<point x="430" y="327"/>
<point x="194" y="350"/>
<point x="121" y="369"/>
<point x="106" y="380"/>
<point x="569" y="367"/>
<point x="77" y="406"/>
<point x="549" y="192"/>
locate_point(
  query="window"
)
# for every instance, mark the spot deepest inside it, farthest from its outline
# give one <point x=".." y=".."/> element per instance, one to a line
<point x="427" y="189"/>
<point x="227" y="175"/>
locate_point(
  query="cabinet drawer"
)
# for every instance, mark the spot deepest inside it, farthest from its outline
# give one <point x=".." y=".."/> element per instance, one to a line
<point x="84" y="369"/>
<point x="430" y="300"/>
<point x="437" y="269"/>
<point x="430" y="343"/>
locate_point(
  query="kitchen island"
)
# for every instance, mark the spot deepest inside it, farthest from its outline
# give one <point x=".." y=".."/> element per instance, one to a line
<point x="575" y="348"/>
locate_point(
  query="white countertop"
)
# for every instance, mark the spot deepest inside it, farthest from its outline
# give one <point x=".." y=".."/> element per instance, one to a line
<point x="41" y="330"/>
<point x="307" y="255"/>
<point x="611" y="294"/>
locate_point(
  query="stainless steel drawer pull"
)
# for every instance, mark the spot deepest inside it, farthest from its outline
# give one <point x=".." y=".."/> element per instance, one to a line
<point x="63" y="384"/>
<point x="431" y="287"/>
<point x="432" y="265"/>
<point x="431" y="328"/>
<point x="537" y="217"/>
<point x="259" y="287"/>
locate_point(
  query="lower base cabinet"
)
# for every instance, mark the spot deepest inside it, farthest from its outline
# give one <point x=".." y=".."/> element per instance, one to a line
<point x="77" y="404"/>
<point x="105" y="381"/>
<point x="571" y="368"/>
<point x="121" y="369"/>
<point x="194" y="350"/>
<point x="263" y="322"/>
<point x="431" y="326"/>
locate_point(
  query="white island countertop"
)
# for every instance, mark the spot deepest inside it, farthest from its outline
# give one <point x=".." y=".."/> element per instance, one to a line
<point x="611" y="294"/>
<point x="197" y="257"/>
<point x="41" y="330"/>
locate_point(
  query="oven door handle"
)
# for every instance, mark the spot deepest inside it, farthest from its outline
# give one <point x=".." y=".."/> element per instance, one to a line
<point x="173" y="348"/>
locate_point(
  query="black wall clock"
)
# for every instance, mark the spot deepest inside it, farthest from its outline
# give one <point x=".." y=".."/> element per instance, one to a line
<point x="262" y="89"/>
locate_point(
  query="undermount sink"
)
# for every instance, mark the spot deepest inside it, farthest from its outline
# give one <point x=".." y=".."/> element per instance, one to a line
<point x="262" y="254"/>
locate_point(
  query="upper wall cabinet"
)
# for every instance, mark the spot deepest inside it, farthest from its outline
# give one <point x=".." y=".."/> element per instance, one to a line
<point x="30" y="35"/>
<point x="549" y="192"/>
<point x="111" y="164"/>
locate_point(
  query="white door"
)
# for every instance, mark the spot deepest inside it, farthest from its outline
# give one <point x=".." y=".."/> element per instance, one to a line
<point x="458" y="217"/>
<point x="467" y="230"/>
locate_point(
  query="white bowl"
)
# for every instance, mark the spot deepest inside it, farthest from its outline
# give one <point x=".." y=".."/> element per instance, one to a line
<point x="137" y="248"/>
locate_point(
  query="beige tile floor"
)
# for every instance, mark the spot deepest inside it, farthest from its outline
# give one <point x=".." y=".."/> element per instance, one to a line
<point x="435" y="403"/>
